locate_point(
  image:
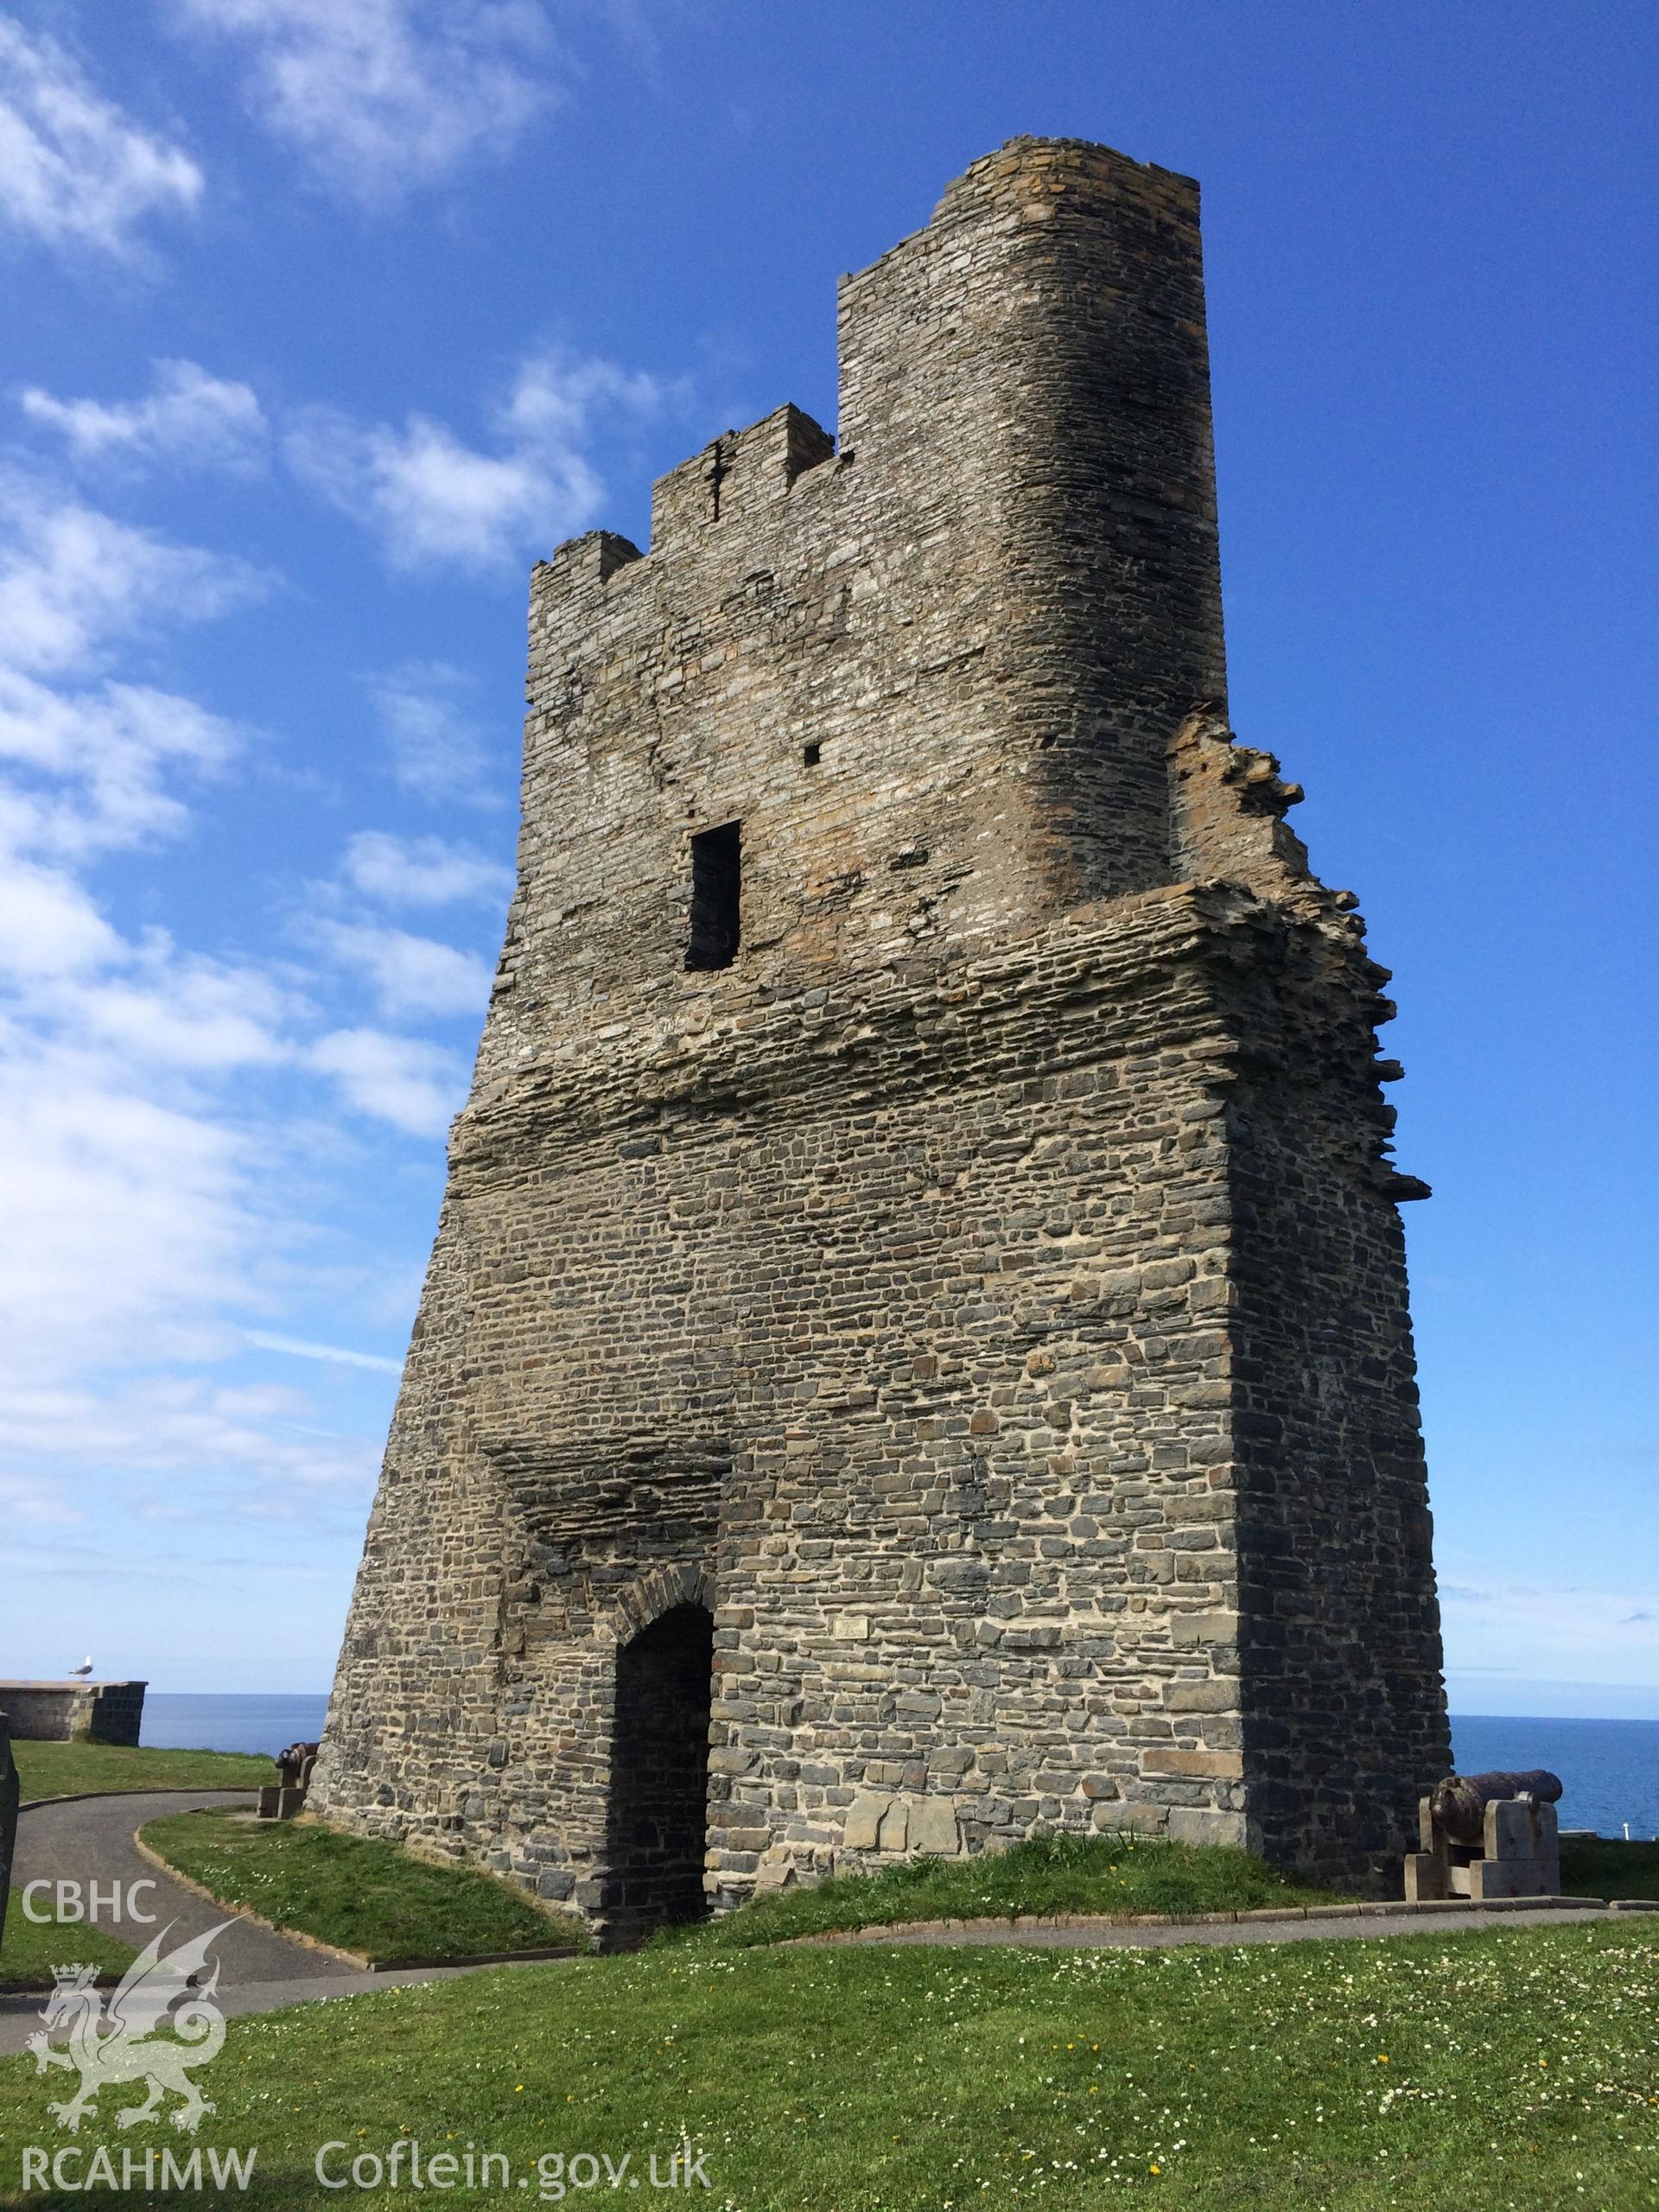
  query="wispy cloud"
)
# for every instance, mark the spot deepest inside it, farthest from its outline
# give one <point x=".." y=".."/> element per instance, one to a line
<point x="189" y="418"/>
<point x="435" y="501"/>
<point x="75" y="169"/>
<point x="424" y="872"/>
<point x="35" y="1505"/>
<point x="1569" y="1631"/>
<point x="87" y="766"/>
<point x="126" y="1204"/>
<point x="72" y="579"/>
<point x="161" y="1105"/>
<point x="410" y="974"/>
<point x="415" y="1085"/>
<point x="124" y="1217"/>
<point x="379" y="96"/>
<point x="438" y="750"/>
<point x="331" y="1354"/>
<point x="161" y="1424"/>
<point x="185" y="1011"/>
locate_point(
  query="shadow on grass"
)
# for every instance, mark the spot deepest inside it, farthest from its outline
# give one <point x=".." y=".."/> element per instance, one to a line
<point x="1121" y="1874"/>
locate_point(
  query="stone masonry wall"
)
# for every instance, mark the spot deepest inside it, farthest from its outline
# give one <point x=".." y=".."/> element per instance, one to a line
<point x="61" y="1712"/>
<point x="984" y="1295"/>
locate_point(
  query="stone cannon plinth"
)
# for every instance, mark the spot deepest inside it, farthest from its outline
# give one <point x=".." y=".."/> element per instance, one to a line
<point x="282" y="1799"/>
<point x="1488" y="1835"/>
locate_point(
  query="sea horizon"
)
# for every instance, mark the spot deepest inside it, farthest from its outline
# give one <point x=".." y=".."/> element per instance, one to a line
<point x="1608" y="1768"/>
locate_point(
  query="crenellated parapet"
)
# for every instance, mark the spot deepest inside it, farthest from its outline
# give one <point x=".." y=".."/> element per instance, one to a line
<point x="916" y="1352"/>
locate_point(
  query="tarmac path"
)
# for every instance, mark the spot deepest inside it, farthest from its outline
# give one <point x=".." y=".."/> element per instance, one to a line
<point x="1081" y="1932"/>
<point x="90" y="1839"/>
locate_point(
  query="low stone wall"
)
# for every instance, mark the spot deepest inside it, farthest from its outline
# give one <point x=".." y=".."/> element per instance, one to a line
<point x="8" y="1796"/>
<point x="63" y="1712"/>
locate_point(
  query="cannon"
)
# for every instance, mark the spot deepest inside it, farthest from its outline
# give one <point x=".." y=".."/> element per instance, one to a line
<point x="1487" y="1836"/>
<point x="282" y="1799"/>
<point x="295" y="1765"/>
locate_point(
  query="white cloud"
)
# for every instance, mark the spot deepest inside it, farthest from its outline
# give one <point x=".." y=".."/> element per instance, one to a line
<point x="125" y="1206"/>
<point x="438" y="752"/>
<point x="410" y="975"/>
<point x="557" y="399"/>
<point x="122" y="1218"/>
<point x="138" y="1206"/>
<point x="71" y="579"/>
<point x="154" y="1097"/>
<point x="163" y="1424"/>
<point x="35" y="1505"/>
<point x="107" y="748"/>
<point x="1575" y="1633"/>
<point x="424" y="872"/>
<point x="435" y="501"/>
<point x="381" y="95"/>
<point x="49" y="926"/>
<point x="331" y="1354"/>
<point x="186" y="1013"/>
<point x="432" y="500"/>
<point x="414" y="1085"/>
<point x="74" y="169"/>
<point x="189" y="418"/>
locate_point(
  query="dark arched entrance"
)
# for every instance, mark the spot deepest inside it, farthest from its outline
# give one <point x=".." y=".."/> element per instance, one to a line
<point x="658" y="1812"/>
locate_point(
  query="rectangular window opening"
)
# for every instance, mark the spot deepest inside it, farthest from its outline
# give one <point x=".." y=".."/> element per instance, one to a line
<point x="717" y="883"/>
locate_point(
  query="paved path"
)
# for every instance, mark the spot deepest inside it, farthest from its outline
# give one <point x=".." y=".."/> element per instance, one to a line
<point x="260" y="1971"/>
<point x="91" y="1839"/>
<point x="1115" y="1935"/>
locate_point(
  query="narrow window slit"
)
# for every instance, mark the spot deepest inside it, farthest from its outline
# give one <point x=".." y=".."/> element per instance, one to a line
<point x="716" y="885"/>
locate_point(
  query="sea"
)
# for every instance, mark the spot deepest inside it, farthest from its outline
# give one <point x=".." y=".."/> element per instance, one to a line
<point x="1610" y="1768"/>
<point x="231" y="1724"/>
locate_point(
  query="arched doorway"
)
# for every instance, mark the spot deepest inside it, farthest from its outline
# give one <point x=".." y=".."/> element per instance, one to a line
<point x="658" y="1814"/>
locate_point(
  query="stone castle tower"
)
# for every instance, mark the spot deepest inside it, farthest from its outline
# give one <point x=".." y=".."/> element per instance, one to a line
<point x="917" y="1350"/>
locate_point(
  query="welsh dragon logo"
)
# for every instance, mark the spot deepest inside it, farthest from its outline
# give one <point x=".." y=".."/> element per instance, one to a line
<point x="122" y="2045"/>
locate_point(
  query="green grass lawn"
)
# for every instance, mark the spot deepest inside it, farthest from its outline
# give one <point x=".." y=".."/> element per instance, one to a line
<point x="363" y="1895"/>
<point x="1606" y="1868"/>
<point x="1514" y="2071"/>
<point x="68" y="1770"/>
<point x="31" y="1948"/>
<point x="1049" y="1874"/>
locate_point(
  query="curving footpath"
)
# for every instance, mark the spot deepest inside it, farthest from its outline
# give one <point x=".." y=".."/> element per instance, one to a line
<point x="1272" y="1924"/>
<point x="89" y="1840"/>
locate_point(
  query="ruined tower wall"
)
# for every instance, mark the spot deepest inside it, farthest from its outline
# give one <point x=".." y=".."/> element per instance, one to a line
<point x="900" y="1334"/>
<point x="986" y="614"/>
<point x="984" y="1293"/>
<point x="1339" y="1646"/>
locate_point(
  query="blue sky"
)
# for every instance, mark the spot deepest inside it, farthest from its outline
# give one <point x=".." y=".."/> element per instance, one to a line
<point x="329" y="316"/>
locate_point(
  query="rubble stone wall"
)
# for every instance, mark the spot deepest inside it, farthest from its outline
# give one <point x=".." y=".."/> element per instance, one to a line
<point x="67" y="1712"/>
<point x="984" y="1297"/>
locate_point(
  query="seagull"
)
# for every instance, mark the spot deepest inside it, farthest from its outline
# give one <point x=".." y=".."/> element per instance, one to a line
<point x="85" y="1666"/>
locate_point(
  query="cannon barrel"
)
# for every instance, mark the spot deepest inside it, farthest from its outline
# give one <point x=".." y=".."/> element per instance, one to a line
<point x="290" y="1762"/>
<point x="1460" y="1802"/>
